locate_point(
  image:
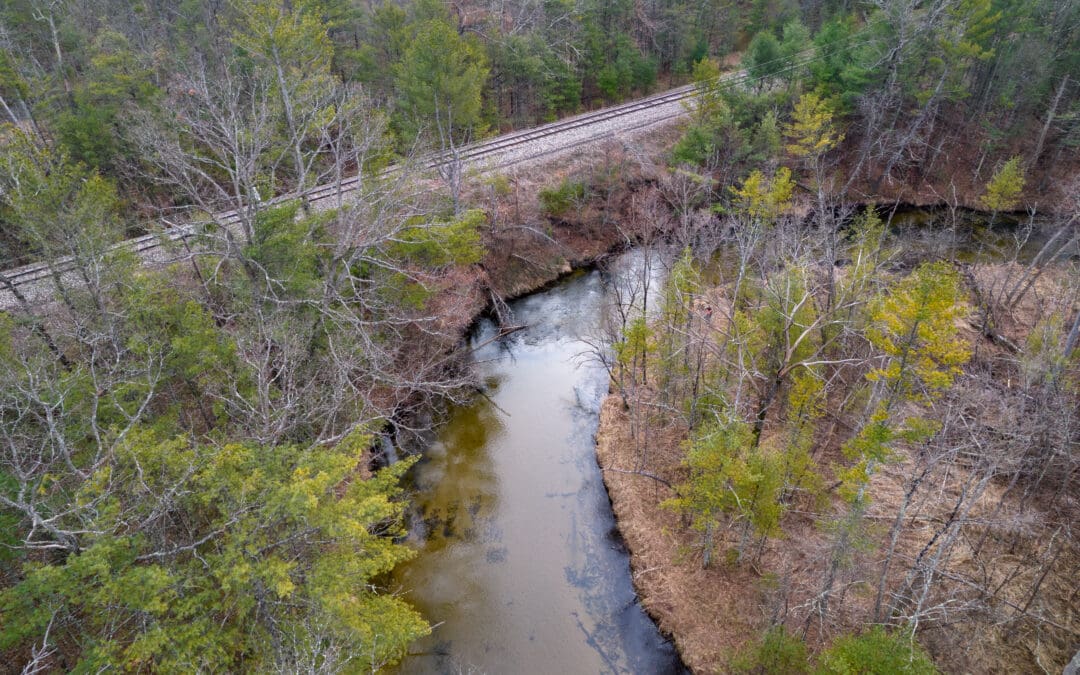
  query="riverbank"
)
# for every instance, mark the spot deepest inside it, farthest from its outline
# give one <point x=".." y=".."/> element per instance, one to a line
<point x="1009" y="534"/>
<point x="706" y="612"/>
<point x="528" y="251"/>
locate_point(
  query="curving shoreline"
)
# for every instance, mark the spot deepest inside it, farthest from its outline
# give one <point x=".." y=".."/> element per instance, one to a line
<point x="670" y="590"/>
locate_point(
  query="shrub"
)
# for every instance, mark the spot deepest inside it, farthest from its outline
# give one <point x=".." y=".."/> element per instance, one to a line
<point x="875" y="652"/>
<point x="557" y="202"/>
<point x="776" y="653"/>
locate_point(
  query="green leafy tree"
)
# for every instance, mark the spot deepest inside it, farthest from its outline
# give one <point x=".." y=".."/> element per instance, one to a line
<point x="784" y="317"/>
<point x="767" y="15"/>
<point x="611" y="64"/>
<point x="291" y="42"/>
<point x="288" y="250"/>
<point x="54" y="208"/>
<point x="844" y="56"/>
<point x="812" y="130"/>
<point x="965" y="37"/>
<point x="674" y="326"/>
<point x="764" y="59"/>
<point x="567" y="197"/>
<point x="796" y="45"/>
<point x="757" y="481"/>
<point x="707" y="495"/>
<point x="14" y="90"/>
<point x="387" y="37"/>
<point x="805" y="405"/>
<point x="632" y="350"/>
<point x="767" y="139"/>
<point x="115" y="82"/>
<point x="762" y="199"/>
<point x="438" y="244"/>
<point x="440" y="81"/>
<point x="530" y="81"/>
<point x="730" y="477"/>
<point x="714" y="136"/>
<point x="914" y="328"/>
<point x="625" y="69"/>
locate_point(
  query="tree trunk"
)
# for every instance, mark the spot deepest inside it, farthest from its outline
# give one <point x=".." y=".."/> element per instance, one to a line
<point x="894" y="537"/>
<point x="1037" y="152"/>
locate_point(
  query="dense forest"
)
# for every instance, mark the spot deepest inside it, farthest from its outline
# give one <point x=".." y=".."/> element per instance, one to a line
<point x="187" y="480"/>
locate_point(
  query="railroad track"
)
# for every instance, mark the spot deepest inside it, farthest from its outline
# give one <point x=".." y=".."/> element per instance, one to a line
<point x="516" y="139"/>
<point x="21" y="278"/>
<point x="25" y="283"/>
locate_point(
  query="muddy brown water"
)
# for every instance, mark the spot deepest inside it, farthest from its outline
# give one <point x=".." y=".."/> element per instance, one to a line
<point x="520" y="567"/>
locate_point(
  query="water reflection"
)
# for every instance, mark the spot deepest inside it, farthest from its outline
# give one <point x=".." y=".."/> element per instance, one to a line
<point x="520" y="565"/>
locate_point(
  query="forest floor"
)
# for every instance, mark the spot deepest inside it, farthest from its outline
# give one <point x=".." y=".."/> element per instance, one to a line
<point x="710" y="613"/>
<point x="956" y="175"/>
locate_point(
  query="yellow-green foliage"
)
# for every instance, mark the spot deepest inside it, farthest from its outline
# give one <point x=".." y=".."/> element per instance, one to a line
<point x="728" y="475"/>
<point x="805" y="405"/>
<point x="676" y="305"/>
<point x="706" y="495"/>
<point x="706" y="75"/>
<point x="806" y="397"/>
<point x="775" y="653"/>
<point x="757" y="478"/>
<point x="499" y="184"/>
<point x="875" y="651"/>
<point x="1003" y="190"/>
<point x="434" y="245"/>
<point x="812" y="130"/>
<point x="972" y="26"/>
<point x="290" y="35"/>
<point x="868" y="448"/>
<point x="914" y="326"/>
<point x="865" y="250"/>
<point x="204" y="558"/>
<point x="54" y="206"/>
<point x="198" y="359"/>
<point x="786" y="314"/>
<point x="287" y="248"/>
<point x="633" y="348"/>
<point x="762" y="199"/>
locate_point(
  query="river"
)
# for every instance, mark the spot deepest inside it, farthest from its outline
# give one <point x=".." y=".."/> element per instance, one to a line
<point x="521" y="568"/>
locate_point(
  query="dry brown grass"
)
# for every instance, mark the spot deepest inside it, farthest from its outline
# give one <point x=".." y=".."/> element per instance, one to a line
<point x="706" y="612"/>
<point x="710" y="612"/>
